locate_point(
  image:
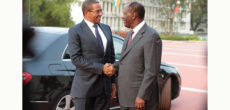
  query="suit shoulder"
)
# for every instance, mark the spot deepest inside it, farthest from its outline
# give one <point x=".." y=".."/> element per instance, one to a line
<point x="152" y="32"/>
<point x="105" y="25"/>
<point x="75" y="26"/>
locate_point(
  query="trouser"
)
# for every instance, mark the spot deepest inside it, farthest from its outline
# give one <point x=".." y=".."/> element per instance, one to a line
<point x="101" y="102"/>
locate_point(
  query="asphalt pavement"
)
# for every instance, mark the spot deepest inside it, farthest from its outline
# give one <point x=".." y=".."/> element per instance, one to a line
<point x="190" y="57"/>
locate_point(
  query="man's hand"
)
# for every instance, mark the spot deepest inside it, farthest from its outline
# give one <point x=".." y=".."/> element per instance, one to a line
<point x="140" y="103"/>
<point x="109" y="69"/>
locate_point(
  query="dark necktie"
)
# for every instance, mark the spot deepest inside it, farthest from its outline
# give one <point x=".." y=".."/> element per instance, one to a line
<point x="98" y="37"/>
<point x="130" y="39"/>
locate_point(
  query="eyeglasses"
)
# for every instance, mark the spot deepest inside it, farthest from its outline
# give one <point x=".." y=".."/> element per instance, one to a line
<point x="96" y="12"/>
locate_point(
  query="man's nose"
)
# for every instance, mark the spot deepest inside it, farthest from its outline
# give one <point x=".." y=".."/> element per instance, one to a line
<point x="100" y="14"/>
<point x="123" y="18"/>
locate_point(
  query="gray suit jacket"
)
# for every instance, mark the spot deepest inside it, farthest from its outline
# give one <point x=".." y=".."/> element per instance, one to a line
<point x="88" y="57"/>
<point x="139" y="66"/>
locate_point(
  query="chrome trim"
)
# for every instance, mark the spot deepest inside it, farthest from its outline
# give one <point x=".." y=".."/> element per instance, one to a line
<point x="39" y="101"/>
<point x="66" y="60"/>
<point x="116" y="107"/>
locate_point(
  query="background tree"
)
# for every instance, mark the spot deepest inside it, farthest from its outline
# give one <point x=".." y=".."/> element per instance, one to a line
<point x="48" y="12"/>
<point x="198" y="13"/>
<point x="168" y="14"/>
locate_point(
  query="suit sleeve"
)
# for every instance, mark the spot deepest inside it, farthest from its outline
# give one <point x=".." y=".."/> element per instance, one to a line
<point x="117" y="63"/>
<point x="112" y="55"/>
<point x="152" y="59"/>
<point x="76" y="54"/>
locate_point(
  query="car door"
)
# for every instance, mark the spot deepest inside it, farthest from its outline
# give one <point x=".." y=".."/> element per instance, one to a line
<point x="67" y="62"/>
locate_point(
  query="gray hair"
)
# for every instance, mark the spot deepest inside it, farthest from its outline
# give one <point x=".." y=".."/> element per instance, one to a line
<point x="137" y="8"/>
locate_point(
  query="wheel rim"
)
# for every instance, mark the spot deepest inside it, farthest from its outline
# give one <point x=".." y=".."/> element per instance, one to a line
<point x="65" y="103"/>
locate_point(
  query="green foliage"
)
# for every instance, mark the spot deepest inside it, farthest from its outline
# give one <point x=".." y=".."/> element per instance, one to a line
<point x="50" y="13"/>
<point x="198" y="13"/>
<point x="179" y="37"/>
<point x="192" y="37"/>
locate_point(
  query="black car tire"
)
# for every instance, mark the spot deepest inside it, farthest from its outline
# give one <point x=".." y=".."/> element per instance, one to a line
<point x="60" y="103"/>
<point x="165" y="99"/>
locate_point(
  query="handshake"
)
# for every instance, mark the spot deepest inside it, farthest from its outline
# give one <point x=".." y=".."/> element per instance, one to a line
<point x="109" y="69"/>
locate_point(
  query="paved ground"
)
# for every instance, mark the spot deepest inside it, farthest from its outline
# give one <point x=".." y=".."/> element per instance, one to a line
<point x="190" y="57"/>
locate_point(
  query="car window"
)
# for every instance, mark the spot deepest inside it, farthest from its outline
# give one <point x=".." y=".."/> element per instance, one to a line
<point x="66" y="53"/>
<point x="117" y="47"/>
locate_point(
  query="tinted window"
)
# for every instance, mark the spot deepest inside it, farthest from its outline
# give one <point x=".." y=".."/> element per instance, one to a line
<point x="66" y="54"/>
<point x="117" y="47"/>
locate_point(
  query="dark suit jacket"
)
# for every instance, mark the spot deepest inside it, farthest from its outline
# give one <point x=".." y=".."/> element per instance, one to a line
<point x="88" y="57"/>
<point x="139" y="66"/>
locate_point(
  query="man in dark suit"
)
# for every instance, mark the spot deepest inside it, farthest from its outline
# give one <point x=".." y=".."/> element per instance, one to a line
<point x="91" y="51"/>
<point x="139" y="63"/>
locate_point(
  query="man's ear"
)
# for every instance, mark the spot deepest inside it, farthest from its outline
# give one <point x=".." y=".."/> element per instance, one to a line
<point x="134" y="16"/>
<point x="85" y="12"/>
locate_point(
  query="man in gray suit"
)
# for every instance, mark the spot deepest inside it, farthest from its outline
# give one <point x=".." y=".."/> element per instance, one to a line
<point x="139" y="63"/>
<point x="91" y="50"/>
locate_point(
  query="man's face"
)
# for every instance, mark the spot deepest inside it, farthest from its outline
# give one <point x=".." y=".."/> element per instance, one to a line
<point x="94" y="14"/>
<point x="127" y="17"/>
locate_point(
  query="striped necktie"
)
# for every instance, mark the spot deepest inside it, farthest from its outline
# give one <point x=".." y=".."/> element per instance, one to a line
<point x="130" y="38"/>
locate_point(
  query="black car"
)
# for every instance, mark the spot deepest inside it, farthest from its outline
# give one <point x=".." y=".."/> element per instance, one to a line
<point x="49" y="74"/>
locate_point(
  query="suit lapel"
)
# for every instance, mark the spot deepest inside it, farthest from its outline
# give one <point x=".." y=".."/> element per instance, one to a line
<point x="106" y="35"/>
<point x="88" y="32"/>
<point x="125" y="41"/>
<point x="137" y="38"/>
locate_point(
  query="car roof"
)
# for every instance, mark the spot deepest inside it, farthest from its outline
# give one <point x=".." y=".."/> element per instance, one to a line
<point x="52" y="30"/>
<point x="45" y="36"/>
<point x="117" y="36"/>
<point x="60" y="30"/>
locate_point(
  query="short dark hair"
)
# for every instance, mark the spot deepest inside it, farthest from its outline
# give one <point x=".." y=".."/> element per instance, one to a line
<point x="87" y="5"/>
<point x="137" y="8"/>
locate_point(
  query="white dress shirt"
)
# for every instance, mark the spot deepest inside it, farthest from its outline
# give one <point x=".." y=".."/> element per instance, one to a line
<point x="103" y="38"/>
<point x="137" y="28"/>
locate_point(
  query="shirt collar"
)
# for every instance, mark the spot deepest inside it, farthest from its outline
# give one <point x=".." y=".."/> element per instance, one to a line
<point x="90" y="24"/>
<point x="138" y="27"/>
